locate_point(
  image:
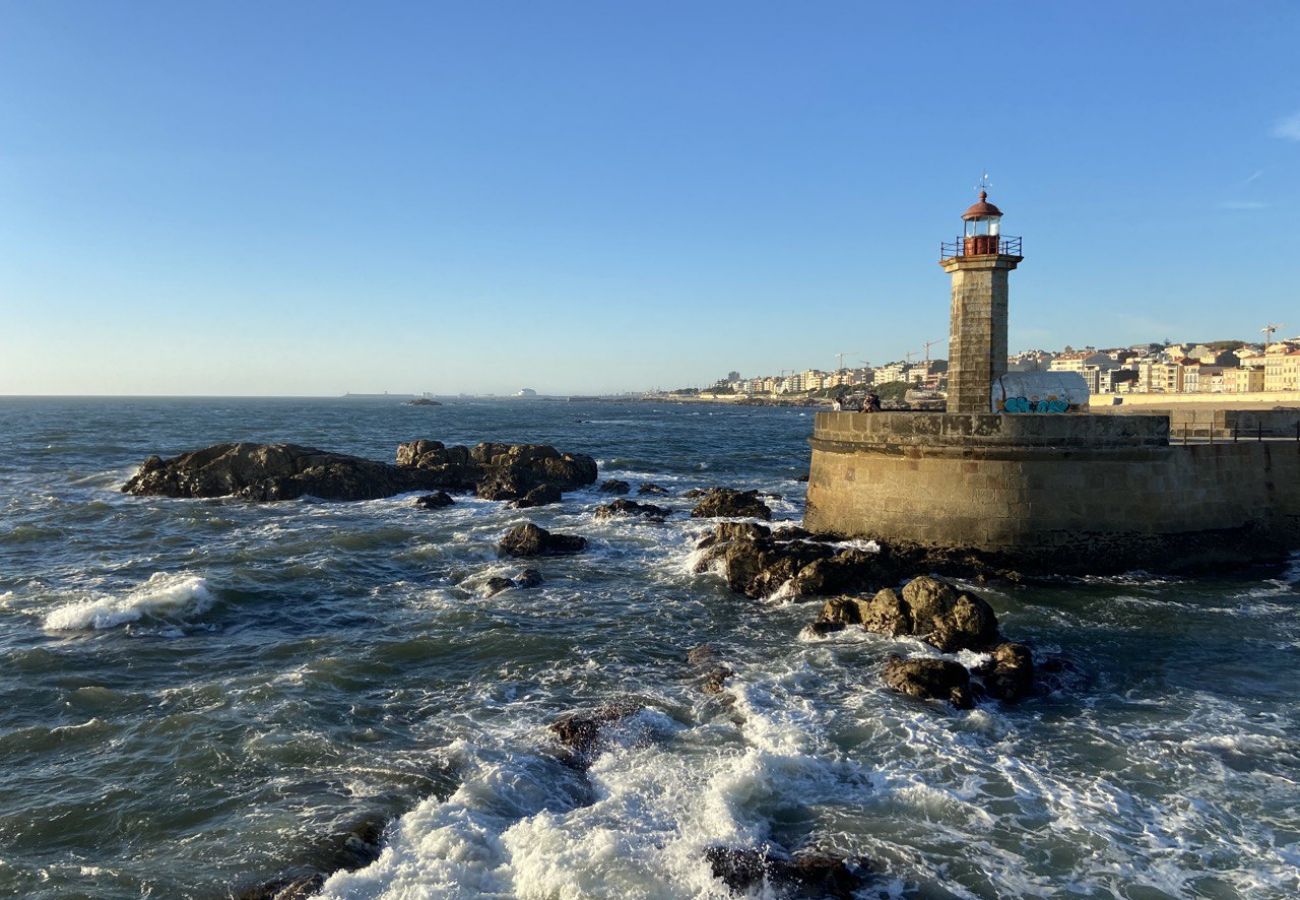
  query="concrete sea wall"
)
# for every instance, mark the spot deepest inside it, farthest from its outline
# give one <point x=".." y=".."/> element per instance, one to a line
<point x="1068" y="492"/>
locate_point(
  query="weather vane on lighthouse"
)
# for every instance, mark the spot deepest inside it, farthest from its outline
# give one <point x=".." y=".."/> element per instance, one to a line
<point x="984" y="185"/>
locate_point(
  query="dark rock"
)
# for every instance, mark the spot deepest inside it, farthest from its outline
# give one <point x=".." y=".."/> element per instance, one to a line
<point x="288" y="471"/>
<point x="694" y="493"/>
<point x="886" y="614"/>
<point x="498" y="471"/>
<point x="422" y="401"/>
<point x="622" y="507"/>
<point x="356" y="847"/>
<point x="528" y="578"/>
<point x="496" y="584"/>
<point x="702" y="655"/>
<point x="651" y="488"/>
<point x="929" y="679"/>
<point x="270" y="472"/>
<point x="802" y="478"/>
<point x="434" y="501"/>
<point x="580" y="732"/>
<point x="530" y="540"/>
<point x="614" y="486"/>
<point x="539" y="496"/>
<point x="728" y="503"/>
<point x="821" y="629"/>
<point x="1010" y="676"/>
<point x="811" y="874"/>
<point x="725" y="532"/>
<point x="716" y="679"/>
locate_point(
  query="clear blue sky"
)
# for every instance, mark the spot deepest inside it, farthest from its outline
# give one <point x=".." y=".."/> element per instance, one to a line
<point x="313" y="197"/>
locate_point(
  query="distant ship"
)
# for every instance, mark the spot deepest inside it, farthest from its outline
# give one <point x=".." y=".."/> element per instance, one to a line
<point x="526" y="392"/>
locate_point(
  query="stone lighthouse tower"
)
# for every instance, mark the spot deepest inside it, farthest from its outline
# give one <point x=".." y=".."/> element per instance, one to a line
<point x="979" y="262"/>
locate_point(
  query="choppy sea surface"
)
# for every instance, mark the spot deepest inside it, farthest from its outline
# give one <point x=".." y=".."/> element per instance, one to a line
<point x="196" y="695"/>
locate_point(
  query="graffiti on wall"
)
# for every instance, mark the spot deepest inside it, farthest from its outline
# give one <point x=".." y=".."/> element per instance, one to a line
<point x="1035" y="405"/>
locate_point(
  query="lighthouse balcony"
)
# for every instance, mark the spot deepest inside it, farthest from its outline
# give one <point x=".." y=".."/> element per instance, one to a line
<point x="981" y="245"/>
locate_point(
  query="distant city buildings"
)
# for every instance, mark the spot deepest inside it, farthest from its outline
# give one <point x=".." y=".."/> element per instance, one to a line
<point x="1215" y="367"/>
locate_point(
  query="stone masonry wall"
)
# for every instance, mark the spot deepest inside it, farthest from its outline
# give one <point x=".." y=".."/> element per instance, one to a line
<point x="977" y="336"/>
<point x="1084" y="493"/>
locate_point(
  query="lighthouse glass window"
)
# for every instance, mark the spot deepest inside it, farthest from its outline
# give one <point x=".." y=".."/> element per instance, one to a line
<point x="983" y="226"/>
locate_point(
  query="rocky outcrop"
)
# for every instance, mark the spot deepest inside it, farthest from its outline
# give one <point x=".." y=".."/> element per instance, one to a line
<point x="729" y="503"/>
<point x="289" y="471"/>
<point x="614" y="486"/>
<point x="759" y="561"/>
<point x="623" y="508"/>
<point x="930" y="678"/>
<point x="810" y="873"/>
<point x="498" y="471"/>
<point x="932" y="610"/>
<point x="652" y="488"/>
<point x="434" y="501"/>
<point x="531" y="540"/>
<point x="271" y="472"/>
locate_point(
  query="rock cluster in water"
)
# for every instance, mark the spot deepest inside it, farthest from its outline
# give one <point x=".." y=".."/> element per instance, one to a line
<point x="530" y="474"/>
<point x="722" y="502"/>
<point x="532" y="540"/>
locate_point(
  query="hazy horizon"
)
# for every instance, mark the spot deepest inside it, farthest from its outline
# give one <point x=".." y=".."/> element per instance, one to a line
<point x="305" y="200"/>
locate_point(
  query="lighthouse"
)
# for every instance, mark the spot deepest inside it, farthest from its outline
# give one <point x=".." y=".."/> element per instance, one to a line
<point x="979" y="262"/>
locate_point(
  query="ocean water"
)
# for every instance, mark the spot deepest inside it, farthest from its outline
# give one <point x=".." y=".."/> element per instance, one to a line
<point x="195" y="696"/>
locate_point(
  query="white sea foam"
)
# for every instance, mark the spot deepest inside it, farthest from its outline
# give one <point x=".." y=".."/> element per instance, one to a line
<point x="164" y="595"/>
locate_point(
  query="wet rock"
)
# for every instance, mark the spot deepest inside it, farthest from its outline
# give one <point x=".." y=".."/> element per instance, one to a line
<point x="652" y="488"/>
<point x="496" y="584"/>
<point x="622" y="507"/>
<point x="265" y="472"/>
<point x="353" y="848"/>
<point x="929" y="679"/>
<point x="436" y="500"/>
<point x="728" y="503"/>
<point x="715" y="680"/>
<point x="530" y="540"/>
<point x="841" y="611"/>
<point x="803" y="479"/>
<point x="528" y="578"/>
<point x="580" y="732"/>
<point x="1010" y="676"/>
<point x="886" y="614"/>
<point x="539" y="496"/>
<point x="725" y="532"/>
<point x="818" y="629"/>
<point x="846" y="572"/>
<point x="702" y="655"/>
<point x="498" y="471"/>
<point x="614" y="486"/>
<point x="948" y="619"/>
<point x="811" y="874"/>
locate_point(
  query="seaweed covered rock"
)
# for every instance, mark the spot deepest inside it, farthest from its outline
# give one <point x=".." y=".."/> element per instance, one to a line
<point x="532" y="540"/>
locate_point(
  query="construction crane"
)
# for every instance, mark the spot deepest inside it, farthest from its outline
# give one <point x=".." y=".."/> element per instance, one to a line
<point x="841" y="356"/>
<point x="929" y="344"/>
<point x="1268" y="331"/>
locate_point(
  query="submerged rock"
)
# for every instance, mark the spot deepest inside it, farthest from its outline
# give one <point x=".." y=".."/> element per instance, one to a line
<point x="614" y="486"/>
<point x="436" y="500"/>
<point x="729" y="503"/>
<point x="580" y="733"/>
<point x="528" y="578"/>
<point x="530" y="540"/>
<point x="651" y="488"/>
<point x="812" y="873"/>
<point x="354" y="848"/>
<point x="929" y="678"/>
<point x="632" y="508"/>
